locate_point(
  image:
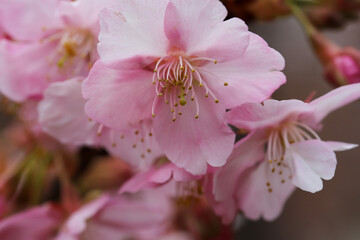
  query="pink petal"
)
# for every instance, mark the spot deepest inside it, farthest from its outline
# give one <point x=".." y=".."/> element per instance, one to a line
<point x="310" y="161"/>
<point x="132" y="33"/>
<point x="61" y="113"/>
<point x="25" y="225"/>
<point x="29" y="19"/>
<point x="76" y="224"/>
<point x="197" y="27"/>
<point x="247" y="152"/>
<point x="128" y="99"/>
<point x="156" y="176"/>
<point x="253" y="195"/>
<point x="253" y="116"/>
<point x="83" y="13"/>
<point x="251" y="78"/>
<point x="193" y="143"/>
<point x="226" y="209"/>
<point x="26" y="70"/>
<point x="335" y="99"/>
<point x="340" y="146"/>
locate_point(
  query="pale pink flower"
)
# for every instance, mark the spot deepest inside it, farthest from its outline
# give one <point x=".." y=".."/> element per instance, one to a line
<point x="181" y="63"/>
<point x="62" y="116"/>
<point x="55" y="40"/>
<point x="143" y="216"/>
<point x="281" y="152"/>
<point x="33" y="224"/>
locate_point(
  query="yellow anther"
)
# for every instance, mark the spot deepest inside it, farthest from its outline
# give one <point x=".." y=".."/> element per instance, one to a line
<point x="149" y="150"/>
<point x="172" y="110"/>
<point x="197" y="116"/>
<point x="180" y="113"/>
<point x="268" y="184"/>
<point x="206" y="95"/>
<point x="193" y="70"/>
<point x="225" y="84"/>
<point x="200" y="85"/>
<point x="216" y="101"/>
<point x="136" y="132"/>
<point x="270" y="190"/>
<point x="174" y="119"/>
<point x="273" y="170"/>
<point x="270" y="161"/>
<point x="215" y="61"/>
<point x="192" y="99"/>
<point x="182" y="101"/>
<point x="153" y="115"/>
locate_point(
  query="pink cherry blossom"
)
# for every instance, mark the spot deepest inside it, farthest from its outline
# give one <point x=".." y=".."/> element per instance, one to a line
<point x="144" y="216"/>
<point x="61" y="115"/>
<point x="259" y="181"/>
<point x="55" y="40"/>
<point x="180" y="62"/>
<point x="36" y="223"/>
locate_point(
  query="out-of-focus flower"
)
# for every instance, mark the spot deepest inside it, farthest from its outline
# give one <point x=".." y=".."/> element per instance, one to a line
<point x="55" y="40"/>
<point x="36" y="223"/>
<point x="61" y="115"/>
<point x="184" y="66"/>
<point x="145" y="215"/>
<point x="281" y="151"/>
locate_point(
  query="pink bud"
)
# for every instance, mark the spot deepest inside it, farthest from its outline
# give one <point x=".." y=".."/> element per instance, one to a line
<point x="343" y="69"/>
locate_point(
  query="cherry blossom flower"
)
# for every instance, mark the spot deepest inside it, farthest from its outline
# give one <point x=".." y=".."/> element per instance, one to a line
<point x="281" y="152"/>
<point x="179" y="62"/>
<point x="62" y="116"/>
<point x="36" y="223"/>
<point x="144" y="215"/>
<point x="55" y="40"/>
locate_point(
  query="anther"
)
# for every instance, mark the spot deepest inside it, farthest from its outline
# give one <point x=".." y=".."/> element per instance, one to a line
<point x="136" y="132"/>
<point x="113" y="145"/>
<point x="225" y="84"/>
<point x="182" y="101"/>
<point x="268" y="184"/>
<point x="200" y="85"/>
<point x="150" y="134"/>
<point x="273" y="170"/>
<point x="197" y="116"/>
<point x="283" y="181"/>
<point x="180" y="113"/>
<point x="149" y="150"/>
<point x="215" y="61"/>
<point x="270" y="190"/>
<point x="270" y="161"/>
<point x="142" y="155"/>
<point x="153" y="115"/>
<point x="174" y="119"/>
<point x="142" y="140"/>
<point x="216" y="101"/>
<point x="134" y="146"/>
<point x="90" y="120"/>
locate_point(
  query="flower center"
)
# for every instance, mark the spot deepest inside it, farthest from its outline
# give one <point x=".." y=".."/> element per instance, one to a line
<point x="175" y="78"/>
<point x="75" y="50"/>
<point x="278" y="141"/>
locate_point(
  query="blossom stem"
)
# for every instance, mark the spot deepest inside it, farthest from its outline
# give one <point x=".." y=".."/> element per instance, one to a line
<point x="301" y="17"/>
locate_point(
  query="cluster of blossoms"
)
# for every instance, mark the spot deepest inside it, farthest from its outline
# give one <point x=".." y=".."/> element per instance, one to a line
<point x="160" y="85"/>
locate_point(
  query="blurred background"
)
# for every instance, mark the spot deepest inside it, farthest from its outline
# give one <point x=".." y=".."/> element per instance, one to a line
<point x="333" y="213"/>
